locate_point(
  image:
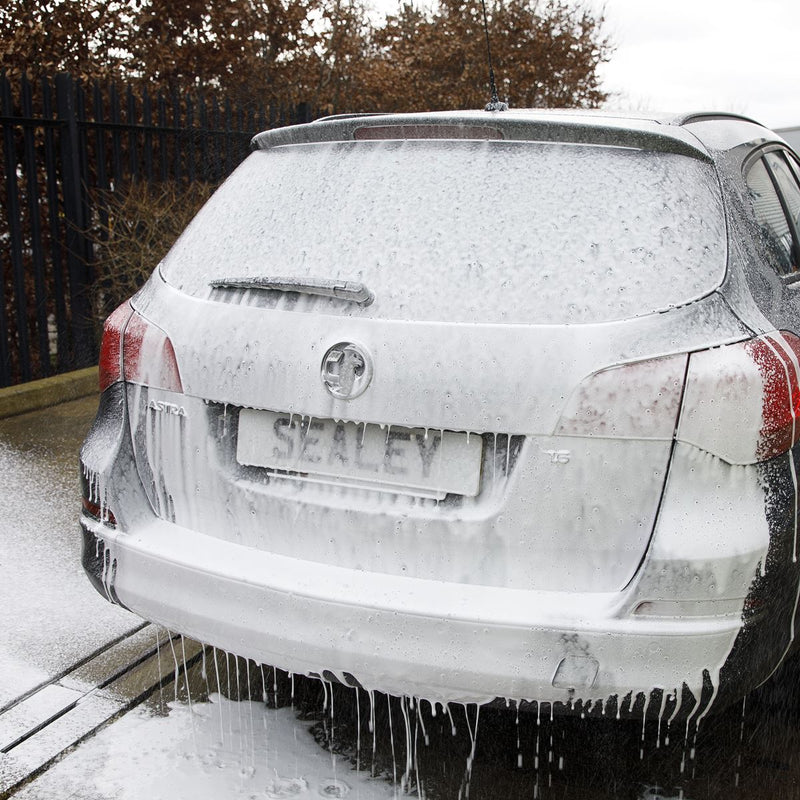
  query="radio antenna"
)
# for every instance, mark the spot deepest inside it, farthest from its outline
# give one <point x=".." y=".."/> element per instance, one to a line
<point x="494" y="104"/>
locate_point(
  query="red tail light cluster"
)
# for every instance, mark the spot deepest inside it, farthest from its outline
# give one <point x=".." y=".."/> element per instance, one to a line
<point x="777" y="361"/>
<point x="742" y="401"/>
<point x="111" y="346"/>
<point x="138" y="351"/>
<point x="148" y="356"/>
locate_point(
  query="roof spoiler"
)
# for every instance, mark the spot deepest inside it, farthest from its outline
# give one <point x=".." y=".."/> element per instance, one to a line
<point x="511" y="126"/>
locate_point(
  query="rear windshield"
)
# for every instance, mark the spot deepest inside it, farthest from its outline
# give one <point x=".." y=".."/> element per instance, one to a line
<point x="498" y="232"/>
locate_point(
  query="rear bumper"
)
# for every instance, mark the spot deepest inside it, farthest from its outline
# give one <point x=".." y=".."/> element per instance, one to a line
<point x="441" y="641"/>
<point x="458" y="641"/>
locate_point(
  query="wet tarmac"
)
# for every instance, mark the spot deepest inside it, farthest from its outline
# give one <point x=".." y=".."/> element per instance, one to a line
<point x="750" y="750"/>
<point x="50" y="617"/>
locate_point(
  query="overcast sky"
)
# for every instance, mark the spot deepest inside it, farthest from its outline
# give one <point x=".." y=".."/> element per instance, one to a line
<point x="725" y="55"/>
<point x="690" y="55"/>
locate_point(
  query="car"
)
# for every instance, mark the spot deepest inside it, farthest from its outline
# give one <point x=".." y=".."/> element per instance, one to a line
<point x="470" y="405"/>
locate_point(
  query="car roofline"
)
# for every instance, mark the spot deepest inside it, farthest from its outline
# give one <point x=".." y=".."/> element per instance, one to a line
<point x="562" y="126"/>
<point x="708" y="116"/>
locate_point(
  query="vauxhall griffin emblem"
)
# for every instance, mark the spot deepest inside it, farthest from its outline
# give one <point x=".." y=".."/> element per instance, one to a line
<point x="346" y="370"/>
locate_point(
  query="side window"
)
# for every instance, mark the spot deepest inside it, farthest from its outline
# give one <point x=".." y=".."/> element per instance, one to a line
<point x="771" y="216"/>
<point x="794" y="165"/>
<point x="787" y="186"/>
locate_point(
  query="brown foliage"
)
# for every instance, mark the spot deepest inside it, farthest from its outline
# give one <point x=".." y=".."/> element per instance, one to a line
<point x="139" y="224"/>
<point x="85" y="37"/>
<point x="545" y="55"/>
<point x="325" y="52"/>
<point x="240" y="46"/>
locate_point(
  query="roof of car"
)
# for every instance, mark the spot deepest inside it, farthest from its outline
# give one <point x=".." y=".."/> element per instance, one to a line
<point x="667" y="132"/>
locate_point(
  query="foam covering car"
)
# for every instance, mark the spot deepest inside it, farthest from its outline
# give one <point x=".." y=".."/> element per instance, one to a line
<point x="466" y="406"/>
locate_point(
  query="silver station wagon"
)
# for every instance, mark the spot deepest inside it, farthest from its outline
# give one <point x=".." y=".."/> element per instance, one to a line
<point x="469" y="406"/>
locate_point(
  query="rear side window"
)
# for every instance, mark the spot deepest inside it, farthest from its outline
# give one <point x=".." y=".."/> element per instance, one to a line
<point x="775" y="193"/>
<point x="463" y="231"/>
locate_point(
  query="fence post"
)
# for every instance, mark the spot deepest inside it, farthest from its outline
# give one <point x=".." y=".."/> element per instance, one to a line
<point x="35" y="223"/>
<point x="63" y="356"/>
<point x="79" y="246"/>
<point x="303" y="113"/>
<point x="11" y="189"/>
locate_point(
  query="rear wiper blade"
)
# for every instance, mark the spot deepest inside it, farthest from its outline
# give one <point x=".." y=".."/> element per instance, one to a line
<point x="352" y="291"/>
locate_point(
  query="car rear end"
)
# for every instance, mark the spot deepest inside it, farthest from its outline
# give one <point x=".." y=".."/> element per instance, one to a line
<point x="446" y="406"/>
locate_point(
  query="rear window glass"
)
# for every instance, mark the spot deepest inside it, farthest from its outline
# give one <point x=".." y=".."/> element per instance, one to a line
<point x="511" y="232"/>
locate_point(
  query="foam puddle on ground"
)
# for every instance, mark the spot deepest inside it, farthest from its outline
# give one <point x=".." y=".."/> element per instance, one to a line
<point x="207" y="751"/>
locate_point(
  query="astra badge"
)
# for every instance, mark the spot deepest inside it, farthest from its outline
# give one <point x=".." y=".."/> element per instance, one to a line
<point x="162" y="407"/>
<point x="346" y="370"/>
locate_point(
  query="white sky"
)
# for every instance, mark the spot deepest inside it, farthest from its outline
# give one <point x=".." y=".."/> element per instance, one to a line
<point x="725" y="55"/>
<point x="690" y="55"/>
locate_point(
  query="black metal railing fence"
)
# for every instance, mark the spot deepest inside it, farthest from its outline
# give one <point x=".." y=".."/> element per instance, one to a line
<point x="65" y="147"/>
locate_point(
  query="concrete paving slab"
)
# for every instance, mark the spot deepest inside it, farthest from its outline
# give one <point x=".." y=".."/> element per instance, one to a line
<point x="44" y="726"/>
<point x="70" y="728"/>
<point x="35" y="712"/>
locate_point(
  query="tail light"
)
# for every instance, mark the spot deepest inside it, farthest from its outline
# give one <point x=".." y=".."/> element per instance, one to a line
<point x="99" y="512"/>
<point x="374" y="132"/>
<point x="148" y="356"/>
<point x="742" y="401"/>
<point x="137" y="351"/>
<point x="111" y="346"/>
<point x="93" y="505"/>
<point x="639" y="400"/>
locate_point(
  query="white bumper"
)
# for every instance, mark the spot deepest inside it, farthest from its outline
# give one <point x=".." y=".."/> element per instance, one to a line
<point x="440" y="641"/>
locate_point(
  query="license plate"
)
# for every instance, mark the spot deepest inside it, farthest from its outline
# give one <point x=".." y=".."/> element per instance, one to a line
<point x="432" y="462"/>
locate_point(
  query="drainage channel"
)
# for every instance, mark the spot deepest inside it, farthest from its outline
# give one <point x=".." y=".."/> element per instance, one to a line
<point x="47" y="722"/>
